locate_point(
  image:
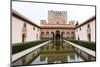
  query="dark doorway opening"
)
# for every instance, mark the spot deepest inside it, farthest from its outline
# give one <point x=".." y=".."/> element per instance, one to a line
<point x="23" y="37"/>
<point x="57" y="36"/>
<point x="89" y="37"/>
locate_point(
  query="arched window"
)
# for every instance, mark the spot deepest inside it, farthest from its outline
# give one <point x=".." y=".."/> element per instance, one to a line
<point x="57" y="22"/>
<point x="33" y="27"/>
<point x="24" y="25"/>
<point x="88" y="28"/>
<point x="67" y="33"/>
<point x="42" y="33"/>
<point x="80" y="28"/>
<point x="47" y="33"/>
<point x="88" y="32"/>
<point x="88" y="25"/>
<point x="72" y="33"/>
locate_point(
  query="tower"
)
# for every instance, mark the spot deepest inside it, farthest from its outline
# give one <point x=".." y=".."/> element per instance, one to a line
<point x="57" y="17"/>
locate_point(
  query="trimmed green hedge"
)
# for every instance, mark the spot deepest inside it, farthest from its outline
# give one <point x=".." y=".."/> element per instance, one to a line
<point x="90" y="45"/>
<point x="22" y="46"/>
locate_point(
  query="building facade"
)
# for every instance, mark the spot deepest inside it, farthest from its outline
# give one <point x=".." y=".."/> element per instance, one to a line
<point x="86" y="31"/>
<point x="57" y="26"/>
<point x="57" y="17"/>
<point x="23" y="30"/>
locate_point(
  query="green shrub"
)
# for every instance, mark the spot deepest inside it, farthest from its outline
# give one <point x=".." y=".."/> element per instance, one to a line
<point x="90" y="45"/>
<point x="22" y="46"/>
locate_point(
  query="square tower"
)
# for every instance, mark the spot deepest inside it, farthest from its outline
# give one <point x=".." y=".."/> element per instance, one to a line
<point x="57" y="17"/>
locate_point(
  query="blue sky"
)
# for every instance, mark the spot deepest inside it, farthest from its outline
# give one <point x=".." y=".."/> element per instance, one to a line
<point x="38" y="11"/>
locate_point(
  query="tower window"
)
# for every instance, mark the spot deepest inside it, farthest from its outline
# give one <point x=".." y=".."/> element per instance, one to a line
<point x="57" y="22"/>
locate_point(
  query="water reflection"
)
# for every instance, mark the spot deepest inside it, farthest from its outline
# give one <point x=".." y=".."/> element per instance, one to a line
<point x="54" y="52"/>
<point x="57" y="52"/>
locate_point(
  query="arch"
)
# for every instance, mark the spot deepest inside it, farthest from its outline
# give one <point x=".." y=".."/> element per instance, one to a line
<point x="78" y="38"/>
<point x="24" y="32"/>
<point x="88" y="25"/>
<point x="89" y="37"/>
<point x="73" y="35"/>
<point x="62" y="35"/>
<point x="68" y="34"/>
<point x="88" y="32"/>
<point x="42" y="33"/>
<point x="47" y="33"/>
<point x="24" y="25"/>
<point x="57" y="35"/>
<point x="52" y="33"/>
<point x="23" y="37"/>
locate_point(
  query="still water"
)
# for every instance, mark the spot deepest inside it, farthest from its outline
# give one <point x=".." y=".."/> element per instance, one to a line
<point x="57" y="52"/>
<point x="53" y="52"/>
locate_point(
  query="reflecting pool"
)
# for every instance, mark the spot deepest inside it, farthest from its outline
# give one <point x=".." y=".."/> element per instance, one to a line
<point x="54" y="52"/>
<point x="57" y="52"/>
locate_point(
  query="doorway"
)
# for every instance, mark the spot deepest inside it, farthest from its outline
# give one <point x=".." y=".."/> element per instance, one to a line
<point x="57" y="35"/>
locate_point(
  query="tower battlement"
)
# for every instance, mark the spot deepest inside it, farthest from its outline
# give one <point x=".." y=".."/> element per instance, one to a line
<point x="57" y="17"/>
